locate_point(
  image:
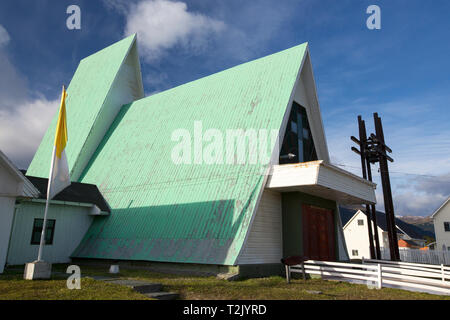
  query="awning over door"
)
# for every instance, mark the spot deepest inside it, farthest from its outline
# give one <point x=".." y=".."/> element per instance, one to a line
<point x="322" y="180"/>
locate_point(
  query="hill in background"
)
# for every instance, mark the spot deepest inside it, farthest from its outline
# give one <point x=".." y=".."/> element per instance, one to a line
<point x="424" y="223"/>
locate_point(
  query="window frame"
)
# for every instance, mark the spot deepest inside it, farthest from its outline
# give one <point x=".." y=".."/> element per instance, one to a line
<point x="353" y="252"/>
<point x="294" y="139"/>
<point x="362" y="222"/>
<point x="446" y="226"/>
<point x="49" y="228"/>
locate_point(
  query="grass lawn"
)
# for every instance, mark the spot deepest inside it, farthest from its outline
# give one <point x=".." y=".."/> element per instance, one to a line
<point x="12" y="286"/>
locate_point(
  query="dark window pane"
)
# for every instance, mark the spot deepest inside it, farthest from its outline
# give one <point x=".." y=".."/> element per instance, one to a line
<point x="298" y="145"/>
<point x="48" y="235"/>
<point x="36" y="237"/>
<point x="37" y="230"/>
<point x="447" y="226"/>
<point x="38" y="223"/>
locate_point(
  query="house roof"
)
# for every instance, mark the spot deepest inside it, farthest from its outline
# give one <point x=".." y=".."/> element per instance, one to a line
<point x="439" y="209"/>
<point x="402" y="227"/>
<point x="410" y="242"/>
<point x="102" y="83"/>
<point x="28" y="190"/>
<point x="196" y="213"/>
<point x="76" y="192"/>
<point x="346" y="214"/>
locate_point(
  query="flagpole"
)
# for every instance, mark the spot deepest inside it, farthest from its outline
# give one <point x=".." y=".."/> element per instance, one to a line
<point x="44" y="223"/>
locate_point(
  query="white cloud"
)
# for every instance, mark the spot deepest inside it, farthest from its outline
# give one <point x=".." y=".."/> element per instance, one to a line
<point x="158" y="81"/>
<point x="4" y="36"/>
<point x="414" y="204"/>
<point x="22" y="129"/>
<point x="23" y="119"/>
<point x="163" y="24"/>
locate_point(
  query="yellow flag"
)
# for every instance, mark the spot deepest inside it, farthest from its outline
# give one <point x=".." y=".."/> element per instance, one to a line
<point x="59" y="170"/>
<point x="61" y="126"/>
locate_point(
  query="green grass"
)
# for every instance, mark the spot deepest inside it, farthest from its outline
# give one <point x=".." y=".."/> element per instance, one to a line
<point x="17" y="289"/>
<point x="194" y="287"/>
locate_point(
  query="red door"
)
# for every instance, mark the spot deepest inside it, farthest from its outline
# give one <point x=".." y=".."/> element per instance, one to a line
<point x="318" y="233"/>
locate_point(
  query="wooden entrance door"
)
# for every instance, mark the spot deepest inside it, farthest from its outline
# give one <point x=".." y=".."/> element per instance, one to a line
<point x="318" y="233"/>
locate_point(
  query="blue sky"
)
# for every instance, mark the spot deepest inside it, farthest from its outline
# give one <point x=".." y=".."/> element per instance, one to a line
<point x="401" y="71"/>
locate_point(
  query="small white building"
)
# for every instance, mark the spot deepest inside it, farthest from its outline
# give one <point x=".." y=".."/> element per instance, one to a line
<point x="13" y="186"/>
<point x="357" y="235"/>
<point x="22" y="204"/>
<point x="441" y="221"/>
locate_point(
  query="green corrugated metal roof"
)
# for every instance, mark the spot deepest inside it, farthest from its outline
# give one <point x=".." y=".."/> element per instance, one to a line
<point x="194" y="213"/>
<point x="85" y="98"/>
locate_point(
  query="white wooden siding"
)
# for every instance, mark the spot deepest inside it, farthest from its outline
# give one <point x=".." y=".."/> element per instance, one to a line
<point x="442" y="236"/>
<point x="300" y="95"/>
<point x="322" y="180"/>
<point x="357" y="237"/>
<point x="337" y="179"/>
<point x="71" y="223"/>
<point x="6" y="218"/>
<point x="265" y="241"/>
<point x="313" y="110"/>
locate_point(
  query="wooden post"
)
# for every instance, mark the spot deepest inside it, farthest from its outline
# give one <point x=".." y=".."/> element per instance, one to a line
<point x="373" y="211"/>
<point x="304" y="272"/>
<point x="362" y="143"/>
<point x="288" y="274"/>
<point x="387" y="193"/>
<point x="380" y="276"/>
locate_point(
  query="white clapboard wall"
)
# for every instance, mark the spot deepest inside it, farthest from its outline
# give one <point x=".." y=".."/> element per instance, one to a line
<point x="265" y="240"/>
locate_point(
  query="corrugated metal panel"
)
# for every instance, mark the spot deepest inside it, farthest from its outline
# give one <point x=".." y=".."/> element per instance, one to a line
<point x="195" y="213"/>
<point x="90" y="111"/>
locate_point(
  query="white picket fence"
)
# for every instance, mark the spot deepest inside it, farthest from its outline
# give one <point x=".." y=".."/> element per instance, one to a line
<point x="380" y="273"/>
<point x="420" y="256"/>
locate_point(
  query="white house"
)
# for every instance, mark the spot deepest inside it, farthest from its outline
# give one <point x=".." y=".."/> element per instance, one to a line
<point x="22" y="202"/>
<point x="441" y="220"/>
<point x="357" y="236"/>
<point x="13" y="186"/>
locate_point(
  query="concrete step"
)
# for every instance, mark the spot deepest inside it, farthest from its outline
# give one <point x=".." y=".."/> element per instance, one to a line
<point x="138" y="286"/>
<point x="163" y="295"/>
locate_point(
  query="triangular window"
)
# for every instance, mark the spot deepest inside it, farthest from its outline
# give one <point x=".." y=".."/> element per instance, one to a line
<point x="298" y="144"/>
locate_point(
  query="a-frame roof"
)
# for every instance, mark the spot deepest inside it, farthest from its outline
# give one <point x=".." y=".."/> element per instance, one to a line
<point x="348" y="215"/>
<point x="102" y="83"/>
<point x="26" y="188"/>
<point x="198" y="213"/>
<point x="440" y="207"/>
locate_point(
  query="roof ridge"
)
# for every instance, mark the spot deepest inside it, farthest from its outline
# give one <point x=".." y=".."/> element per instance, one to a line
<point x="305" y="44"/>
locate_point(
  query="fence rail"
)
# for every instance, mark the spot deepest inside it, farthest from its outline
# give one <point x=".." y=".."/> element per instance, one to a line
<point x="380" y="273"/>
<point x="420" y="256"/>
